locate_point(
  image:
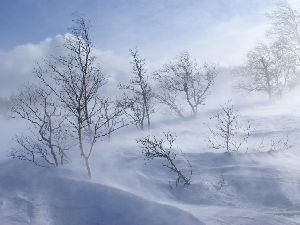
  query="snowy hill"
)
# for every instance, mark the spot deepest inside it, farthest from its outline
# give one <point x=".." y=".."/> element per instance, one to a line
<point x="248" y="188"/>
<point x="241" y="190"/>
<point x="37" y="196"/>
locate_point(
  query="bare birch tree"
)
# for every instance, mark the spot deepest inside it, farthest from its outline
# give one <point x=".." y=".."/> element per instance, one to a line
<point x="46" y="145"/>
<point x="285" y="25"/>
<point x="274" y="67"/>
<point x="258" y="74"/>
<point x="76" y="80"/>
<point x="286" y="67"/>
<point x="269" y="69"/>
<point x="138" y="94"/>
<point x="285" y="37"/>
<point x="185" y="83"/>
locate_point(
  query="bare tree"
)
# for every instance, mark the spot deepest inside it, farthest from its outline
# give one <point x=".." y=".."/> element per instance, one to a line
<point x="76" y="80"/>
<point x="273" y="68"/>
<point x="139" y="95"/>
<point x="183" y="82"/>
<point x="270" y="69"/>
<point x="284" y="30"/>
<point x="153" y="147"/>
<point x="259" y="71"/>
<point x="286" y="66"/>
<point x="285" y="25"/>
<point x="46" y="146"/>
<point x="229" y="133"/>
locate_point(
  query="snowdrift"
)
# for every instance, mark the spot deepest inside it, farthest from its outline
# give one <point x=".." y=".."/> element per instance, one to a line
<point x="30" y="195"/>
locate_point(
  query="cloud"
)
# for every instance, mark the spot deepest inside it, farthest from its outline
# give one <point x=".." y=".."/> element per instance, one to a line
<point x="219" y="31"/>
<point x="228" y="42"/>
<point x="16" y="65"/>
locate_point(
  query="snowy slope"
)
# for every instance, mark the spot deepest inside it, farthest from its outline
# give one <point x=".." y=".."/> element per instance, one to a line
<point x="225" y="190"/>
<point x="37" y="196"/>
<point x="250" y="188"/>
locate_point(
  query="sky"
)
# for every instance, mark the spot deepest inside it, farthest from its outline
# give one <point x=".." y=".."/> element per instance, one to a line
<point x="219" y="31"/>
<point x="119" y="25"/>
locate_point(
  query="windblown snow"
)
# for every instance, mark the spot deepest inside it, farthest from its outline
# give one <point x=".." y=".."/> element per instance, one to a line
<point x="253" y="187"/>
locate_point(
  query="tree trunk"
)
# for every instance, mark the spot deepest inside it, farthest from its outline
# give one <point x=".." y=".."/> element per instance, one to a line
<point x="148" y="119"/>
<point x="87" y="165"/>
<point x="186" y="91"/>
<point x="53" y="155"/>
<point x="51" y="146"/>
<point x="148" y="116"/>
<point x="86" y="159"/>
<point x="267" y="74"/>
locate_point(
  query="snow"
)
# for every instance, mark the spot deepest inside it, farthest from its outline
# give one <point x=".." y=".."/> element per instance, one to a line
<point x="38" y="196"/>
<point x="252" y="187"/>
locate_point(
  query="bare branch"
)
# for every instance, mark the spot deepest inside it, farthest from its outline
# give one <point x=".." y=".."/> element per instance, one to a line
<point x="228" y="134"/>
<point x="138" y="99"/>
<point x="36" y="106"/>
<point x="153" y="147"/>
<point x="185" y="81"/>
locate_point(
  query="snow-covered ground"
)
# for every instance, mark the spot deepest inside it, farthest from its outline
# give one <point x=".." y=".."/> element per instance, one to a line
<point x="254" y="187"/>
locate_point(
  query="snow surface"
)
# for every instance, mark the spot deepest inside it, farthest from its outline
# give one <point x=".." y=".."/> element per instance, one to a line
<point x="254" y="187"/>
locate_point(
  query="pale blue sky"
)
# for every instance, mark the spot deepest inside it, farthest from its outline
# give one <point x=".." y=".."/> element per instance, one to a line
<point x="121" y="24"/>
